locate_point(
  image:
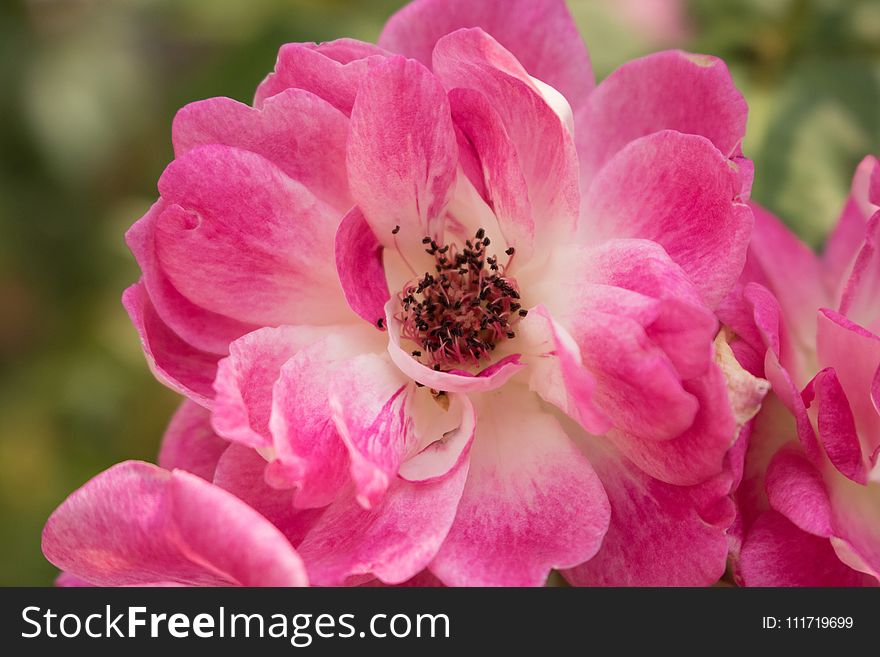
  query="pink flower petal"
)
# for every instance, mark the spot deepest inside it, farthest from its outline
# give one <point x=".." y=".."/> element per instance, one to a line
<point x="242" y="239"/>
<point x="332" y="71"/>
<point x="300" y="133"/>
<point x="245" y="378"/>
<point x="190" y="443"/>
<point x="672" y="90"/>
<point x="312" y="456"/>
<point x="393" y="541"/>
<point x="402" y="153"/>
<point x="680" y="191"/>
<point x="360" y="268"/>
<point x="540" y="33"/>
<point x="859" y="299"/>
<point x="660" y="535"/>
<point x="139" y="524"/>
<point x="201" y="328"/>
<point x="471" y="59"/>
<point x="178" y="365"/>
<point x="796" y="490"/>
<point x="532" y="501"/>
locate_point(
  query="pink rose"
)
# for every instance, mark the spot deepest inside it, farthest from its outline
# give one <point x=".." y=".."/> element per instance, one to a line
<point x="453" y="307"/>
<point x="810" y="502"/>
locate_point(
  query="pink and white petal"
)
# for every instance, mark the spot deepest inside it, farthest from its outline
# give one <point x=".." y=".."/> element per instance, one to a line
<point x="532" y="501"/>
<point x="302" y="134"/>
<point x="138" y="524"/>
<point x="854" y="353"/>
<point x="245" y="378"/>
<point x="848" y="236"/>
<point x="796" y="490"/>
<point x="332" y="71"/>
<point x="393" y="541"/>
<point x="505" y="189"/>
<point x="679" y="191"/>
<point x="856" y="518"/>
<point x="491" y="378"/>
<point x="698" y="452"/>
<point x="672" y="90"/>
<point x="660" y="535"/>
<point x="190" y="443"/>
<point x="777" y="553"/>
<point x="241" y="471"/>
<point x="471" y="59"/>
<point x="311" y="455"/>
<point x="177" y="364"/>
<point x="203" y="329"/>
<point x="443" y="433"/>
<point x="368" y="400"/>
<point x="859" y="299"/>
<point x="541" y="34"/>
<point x="242" y="239"/>
<point x="402" y="153"/>
<point x="360" y="267"/>
<point x="791" y="270"/>
<point x="556" y="371"/>
<point x="837" y="427"/>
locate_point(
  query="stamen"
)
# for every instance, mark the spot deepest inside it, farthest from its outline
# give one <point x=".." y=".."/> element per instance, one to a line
<point x="458" y="314"/>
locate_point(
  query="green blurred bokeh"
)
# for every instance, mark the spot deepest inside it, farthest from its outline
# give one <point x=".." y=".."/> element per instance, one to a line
<point x="89" y="89"/>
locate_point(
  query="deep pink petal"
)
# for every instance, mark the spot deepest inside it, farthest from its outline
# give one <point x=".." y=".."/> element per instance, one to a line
<point x="300" y="133"/>
<point x="360" y="268"/>
<point x="332" y="71"/>
<point x="541" y="34"/>
<point x="177" y="364"/>
<point x="796" y="490"/>
<point x="402" y="153"/>
<point x="671" y="90"/>
<point x="532" y="501"/>
<point x="680" y="191"/>
<point x="242" y="239"/>
<point x="139" y="524"/>
<point x="190" y="443"/>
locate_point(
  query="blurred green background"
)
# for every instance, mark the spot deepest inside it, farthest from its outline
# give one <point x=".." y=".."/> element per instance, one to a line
<point x="89" y="88"/>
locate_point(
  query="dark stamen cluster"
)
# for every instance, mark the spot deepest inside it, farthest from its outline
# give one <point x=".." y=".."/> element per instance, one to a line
<point x="461" y="311"/>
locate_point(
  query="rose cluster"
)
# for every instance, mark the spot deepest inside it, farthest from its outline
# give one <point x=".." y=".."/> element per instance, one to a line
<point x="445" y="312"/>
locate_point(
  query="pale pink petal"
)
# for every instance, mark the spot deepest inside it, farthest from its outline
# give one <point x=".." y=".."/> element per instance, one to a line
<point x="540" y="33"/>
<point x="245" y="378"/>
<point x="862" y="290"/>
<point x="505" y="188"/>
<point x="660" y="535"/>
<point x="177" y="364"/>
<point x="311" y="454"/>
<point x="368" y="403"/>
<point x="402" y="153"/>
<point x="203" y="329"/>
<point x="393" y="541"/>
<point x="671" y="90"/>
<point x="300" y="133"/>
<point x="242" y="239"/>
<point x="332" y="71"/>
<point x="777" y="553"/>
<point x="360" y="268"/>
<point x="241" y="471"/>
<point x="532" y="501"/>
<point x="190" y="443"/>
<point x="471" y="59"/>
<point x="139" y="524"/>
<point x="680" y="191"/>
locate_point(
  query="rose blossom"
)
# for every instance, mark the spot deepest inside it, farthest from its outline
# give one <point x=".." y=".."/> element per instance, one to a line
<point x="810" y="500"/>
<point x="453" y="308"/>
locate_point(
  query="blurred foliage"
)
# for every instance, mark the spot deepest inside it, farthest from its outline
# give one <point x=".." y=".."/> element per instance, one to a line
<point x="90" y="88"/>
